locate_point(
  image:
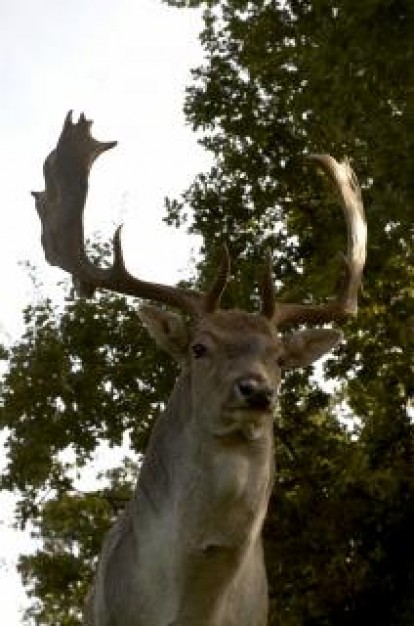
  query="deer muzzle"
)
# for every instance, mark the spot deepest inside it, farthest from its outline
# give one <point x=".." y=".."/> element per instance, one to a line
<point x="253" y="392"/>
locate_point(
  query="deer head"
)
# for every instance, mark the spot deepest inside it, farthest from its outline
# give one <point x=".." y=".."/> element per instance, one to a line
<point x="237" y="352"/>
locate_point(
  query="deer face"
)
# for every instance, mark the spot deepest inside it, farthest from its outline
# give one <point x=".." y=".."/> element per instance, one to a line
<point x="235" y="361"/>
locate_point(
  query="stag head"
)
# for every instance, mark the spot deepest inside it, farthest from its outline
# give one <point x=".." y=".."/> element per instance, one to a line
<point x="206" y="338"/>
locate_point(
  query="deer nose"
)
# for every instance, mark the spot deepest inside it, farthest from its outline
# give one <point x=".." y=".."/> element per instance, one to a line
<point x="254" y="392"/>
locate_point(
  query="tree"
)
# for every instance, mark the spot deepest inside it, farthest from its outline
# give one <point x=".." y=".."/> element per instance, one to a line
<point x="280" y="80"/>
<point x="76" y="377"/>
<point x="71" y="526"/>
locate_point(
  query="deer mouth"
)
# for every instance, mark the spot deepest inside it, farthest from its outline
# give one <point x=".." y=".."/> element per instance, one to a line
<point x="259" y="403"/>
<point x="246" y="421"/>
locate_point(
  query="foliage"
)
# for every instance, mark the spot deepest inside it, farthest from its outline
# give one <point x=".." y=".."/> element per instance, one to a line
<point x="81" y="374"/>
<point x="280" y="80"/>
<point x="60" y="572"/>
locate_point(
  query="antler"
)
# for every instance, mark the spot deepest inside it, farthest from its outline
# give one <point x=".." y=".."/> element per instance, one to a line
<point x="346" y="302"/>
<point x="60" y="208"/>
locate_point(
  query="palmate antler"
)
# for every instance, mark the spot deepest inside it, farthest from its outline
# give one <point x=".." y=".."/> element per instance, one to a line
<point x="60" y="208"/>
<point x="61" y="205"/>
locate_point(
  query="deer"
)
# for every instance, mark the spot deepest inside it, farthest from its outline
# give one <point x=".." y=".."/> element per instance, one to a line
<point x="187" y="550"/>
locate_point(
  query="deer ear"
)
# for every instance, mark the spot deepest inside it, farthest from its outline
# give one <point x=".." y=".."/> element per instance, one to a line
<point x="306" y="346"/>
<point x="168" y="329"/>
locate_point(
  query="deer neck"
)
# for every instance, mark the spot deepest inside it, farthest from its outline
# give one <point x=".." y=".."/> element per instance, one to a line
<point x="212" y="480"/>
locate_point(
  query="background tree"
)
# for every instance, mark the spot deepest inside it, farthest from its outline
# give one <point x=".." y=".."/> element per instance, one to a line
<point x="280" y="80"/>
<point x="76" y="378"/>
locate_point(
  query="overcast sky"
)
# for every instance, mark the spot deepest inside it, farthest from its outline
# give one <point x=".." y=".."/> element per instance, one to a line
<point x="126" y="64"/>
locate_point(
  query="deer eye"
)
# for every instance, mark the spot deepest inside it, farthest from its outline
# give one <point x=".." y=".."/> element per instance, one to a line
<point x="199" y="350"/>
<point x="280" y="361"/>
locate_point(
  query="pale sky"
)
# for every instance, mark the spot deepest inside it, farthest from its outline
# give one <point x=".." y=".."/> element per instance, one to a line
<point x="126" y="64"/>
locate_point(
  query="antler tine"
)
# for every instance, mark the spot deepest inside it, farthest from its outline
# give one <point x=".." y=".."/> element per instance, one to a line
<point x="60" y="208"/>
<point x="346" y="303"/>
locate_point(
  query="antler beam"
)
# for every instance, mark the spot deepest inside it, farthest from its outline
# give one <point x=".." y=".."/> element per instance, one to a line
<point x="60" y="208"/>
<point x="346" y="303"/>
